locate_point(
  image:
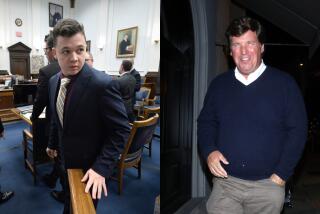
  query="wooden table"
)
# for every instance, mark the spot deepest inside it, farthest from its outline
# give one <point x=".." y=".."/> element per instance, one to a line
<point x="6" y="103"/>
<point x="25" y="113"/>
<point x="6" y="98"/>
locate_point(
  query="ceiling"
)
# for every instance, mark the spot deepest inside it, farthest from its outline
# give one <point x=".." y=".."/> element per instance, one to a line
<point x="299" y="18"/>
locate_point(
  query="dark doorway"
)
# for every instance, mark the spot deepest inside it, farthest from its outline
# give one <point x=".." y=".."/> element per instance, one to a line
<point x="177" y="61"/>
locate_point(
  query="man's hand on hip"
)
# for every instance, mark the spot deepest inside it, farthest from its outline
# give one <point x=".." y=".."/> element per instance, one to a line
<point x="97" y="182"/>
<point x="276" y="179"/>
<point x="52" y="153"/>
<point x="214" y="164"/>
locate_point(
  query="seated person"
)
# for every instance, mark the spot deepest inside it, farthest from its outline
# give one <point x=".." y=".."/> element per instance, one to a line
<point x="127" y="84"/>
<point x="89" y="59"/>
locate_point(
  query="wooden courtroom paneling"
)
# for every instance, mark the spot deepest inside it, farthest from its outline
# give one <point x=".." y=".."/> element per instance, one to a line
<point x="6" y="99"/>
<point x="20" y="59"/>
<point x="6" y="103"/>
<point x="154" y="77"/>
<point x="19" y="66"/>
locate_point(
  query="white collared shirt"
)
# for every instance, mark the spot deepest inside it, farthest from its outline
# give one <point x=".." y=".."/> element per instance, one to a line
<point x="252" y="76"/>
<point x="124" y="73"/>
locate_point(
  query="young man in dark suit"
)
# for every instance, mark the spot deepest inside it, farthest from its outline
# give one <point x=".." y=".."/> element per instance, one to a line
<point x="42" y="101"/>
<point x="127" y="87"/>
<point x="4" y="196"/>
<point x="89" y="125"/>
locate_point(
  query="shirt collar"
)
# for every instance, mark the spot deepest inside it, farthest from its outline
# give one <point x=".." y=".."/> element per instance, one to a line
<point x="72" y="78"/>
<point x="252" y="76"/>
<point x="127" y="72"/>
<point x="52" y="61"/>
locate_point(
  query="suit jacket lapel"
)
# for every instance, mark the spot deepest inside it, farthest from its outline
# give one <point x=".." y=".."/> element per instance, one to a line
<point x="54" y="92"/>
<point x="79" y="87"/>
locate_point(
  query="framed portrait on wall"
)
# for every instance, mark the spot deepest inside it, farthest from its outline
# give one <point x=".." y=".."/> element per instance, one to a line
<point x="127" y="42"/>
<point x="55" y="14"/>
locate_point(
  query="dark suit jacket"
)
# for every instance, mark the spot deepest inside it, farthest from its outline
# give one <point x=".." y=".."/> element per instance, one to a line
<point x="137" y="76"/>
<point x="127" y="83"/>
<point x="42" y="96"/>
<point x="96" y="126"/>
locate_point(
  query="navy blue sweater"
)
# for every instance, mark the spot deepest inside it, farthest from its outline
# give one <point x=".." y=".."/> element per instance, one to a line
<point x="260" y="128"/>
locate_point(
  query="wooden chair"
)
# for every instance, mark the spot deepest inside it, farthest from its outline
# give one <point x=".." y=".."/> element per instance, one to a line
<point x="149" y="111"/>
<point x="141" y="134"/>
<point x="152" y="87"/>
<point x="34" y="146"/>
<point x="154" y="78"/>
<point x="142" y="97"/>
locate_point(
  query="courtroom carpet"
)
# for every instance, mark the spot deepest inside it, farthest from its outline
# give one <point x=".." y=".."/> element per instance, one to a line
<point x="138" y="195"/>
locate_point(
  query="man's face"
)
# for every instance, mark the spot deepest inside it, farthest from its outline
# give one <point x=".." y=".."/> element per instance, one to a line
<point x="49" y="53"/>
<point x="89" y="60"/>
<point x="70" y="52"/>
<point x="246" y="51"/>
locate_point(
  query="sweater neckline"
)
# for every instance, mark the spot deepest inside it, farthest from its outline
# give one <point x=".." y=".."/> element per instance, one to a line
<point x="260" y="78"/>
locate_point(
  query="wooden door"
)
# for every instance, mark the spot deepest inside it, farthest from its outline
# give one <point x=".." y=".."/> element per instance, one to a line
<point x="20" y="59"/>
<point x="176" y="66"/>
<point x="19" y="65"/>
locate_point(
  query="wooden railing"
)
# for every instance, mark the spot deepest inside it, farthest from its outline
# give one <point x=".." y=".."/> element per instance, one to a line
<point x="81" y="202"/>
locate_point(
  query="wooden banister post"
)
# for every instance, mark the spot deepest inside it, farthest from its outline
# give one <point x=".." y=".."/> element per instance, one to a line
<point x="81" y="202"/>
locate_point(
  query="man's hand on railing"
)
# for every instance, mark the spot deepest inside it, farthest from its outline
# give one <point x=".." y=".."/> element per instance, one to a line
<point x="97" y="182"/>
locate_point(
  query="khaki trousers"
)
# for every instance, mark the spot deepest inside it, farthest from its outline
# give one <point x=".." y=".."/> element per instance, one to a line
<point x="236" y="196"/>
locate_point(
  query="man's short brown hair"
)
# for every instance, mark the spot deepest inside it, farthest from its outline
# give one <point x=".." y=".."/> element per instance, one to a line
<point x="127" y="65"/>
<point x="67" y="28"/>
<point x="240" y="26"/>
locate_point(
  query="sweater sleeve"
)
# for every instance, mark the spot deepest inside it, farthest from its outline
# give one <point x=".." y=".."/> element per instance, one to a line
<point x="295" y="123"/>
<point x="207" y="125"/>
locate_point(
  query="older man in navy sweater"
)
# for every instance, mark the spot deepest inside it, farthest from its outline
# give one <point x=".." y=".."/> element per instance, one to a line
<point x="252" y="128"/>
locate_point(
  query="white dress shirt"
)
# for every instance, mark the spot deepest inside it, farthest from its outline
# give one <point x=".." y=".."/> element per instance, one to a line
<point x="252" y="76"/>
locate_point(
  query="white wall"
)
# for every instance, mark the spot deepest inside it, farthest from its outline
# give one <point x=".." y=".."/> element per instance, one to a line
<point x="8" y="29"/>
<point x="101" y="18"/>
<point x="113" y="15"/>
<point x="35" y="25"/>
